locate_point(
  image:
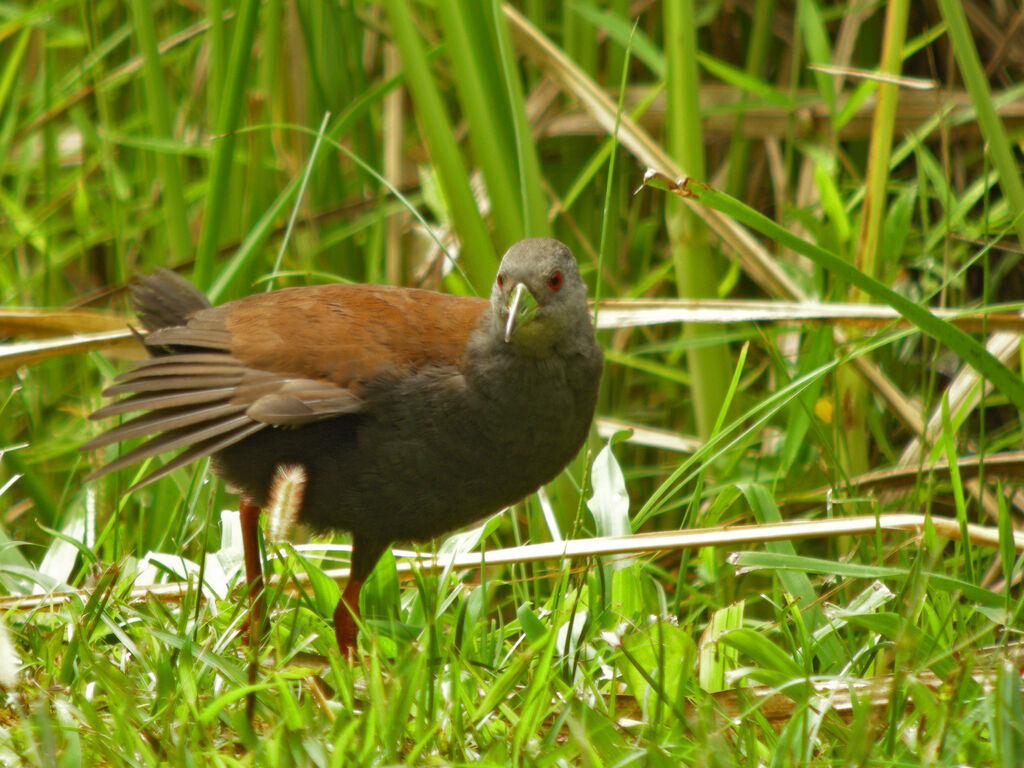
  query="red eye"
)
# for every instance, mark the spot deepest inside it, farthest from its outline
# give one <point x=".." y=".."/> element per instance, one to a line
<point x="501" y="281"/>
<point x="555" y="281"/>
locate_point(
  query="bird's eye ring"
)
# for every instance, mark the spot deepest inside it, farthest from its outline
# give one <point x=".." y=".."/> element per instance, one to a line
<point x="555" y="281"/>
<point x="501" y="281"/>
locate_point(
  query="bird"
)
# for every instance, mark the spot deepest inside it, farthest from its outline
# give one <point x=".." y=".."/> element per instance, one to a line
<point x="408" y="412"/>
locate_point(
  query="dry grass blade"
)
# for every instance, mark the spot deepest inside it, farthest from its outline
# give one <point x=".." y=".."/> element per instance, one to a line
<point x="13" y="356"/>
<point x="995" y="465"/>
<point x="42" y="323"/>
<point x="963" y="390"/>
<point x="608" y="546"/>
<point x="772" y="121"/>
<point x="649" y="436"/>
<point x="845" y="695"/>
<point x="629" y="313"/>
<point x="916" y="83"/>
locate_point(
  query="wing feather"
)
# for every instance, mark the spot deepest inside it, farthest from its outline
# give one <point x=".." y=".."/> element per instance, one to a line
<point x="282" y="359"/>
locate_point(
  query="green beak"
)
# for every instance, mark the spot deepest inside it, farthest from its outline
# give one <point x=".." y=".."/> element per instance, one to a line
<point x="522" y="306"/>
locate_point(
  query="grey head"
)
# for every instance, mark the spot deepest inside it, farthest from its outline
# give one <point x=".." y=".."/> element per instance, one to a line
<point x="539" y="300"/>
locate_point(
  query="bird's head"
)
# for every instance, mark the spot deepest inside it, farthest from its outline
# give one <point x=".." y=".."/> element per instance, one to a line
<point x="538" y="298"/>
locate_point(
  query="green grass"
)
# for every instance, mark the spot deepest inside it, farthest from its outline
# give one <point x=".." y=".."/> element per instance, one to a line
<point x="257" y="145"/>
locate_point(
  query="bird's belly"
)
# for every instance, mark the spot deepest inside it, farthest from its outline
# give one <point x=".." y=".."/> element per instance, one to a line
<point x="411" y="474"/>
<point x="429" y="480"/>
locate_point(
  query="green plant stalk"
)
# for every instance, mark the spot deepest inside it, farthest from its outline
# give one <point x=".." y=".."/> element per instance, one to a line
<point x="598" y="159"/>
<point x="159" y="112"/>
<point x="112" y="173"/>
<point x="13" y="66"/>
<point x="271" y="58"/>
<point x="50" y="179"/>
<point x="817" y="47"/>
<point x="477" y="81"/>
<point x="981" y="97"/>
<point x="949" y="447"/>
<point x="765" y="510"/>
<point x="992" y="129"/>
<point x="853" y="394"/>
<point x="46" y="511"/>
<point x="691" y="252"/>
<point x="608" y="219"/>
<point x="254" y="241"/>
<point x="290" y="226"/>
<point x="579" y="43"/>
<point x="739" y="149"/>
<point x="477" y="252"/>
<point x="217" y="44"/>
<point x="876" y="199"/>
<point x="228" y="120"/>
<point x="531" y="186"/>
<point x="261" y="181"/>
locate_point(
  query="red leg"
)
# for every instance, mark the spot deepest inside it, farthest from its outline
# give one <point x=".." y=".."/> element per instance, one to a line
<point x="346" y="616"/>
<point x="249" y="515"/>
<point x="365" y="554"/>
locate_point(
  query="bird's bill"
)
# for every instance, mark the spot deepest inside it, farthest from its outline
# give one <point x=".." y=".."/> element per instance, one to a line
<point x="522" y="306"/>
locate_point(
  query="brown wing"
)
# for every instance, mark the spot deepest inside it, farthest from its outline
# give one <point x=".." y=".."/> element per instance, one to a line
<point x="283" y="358"/>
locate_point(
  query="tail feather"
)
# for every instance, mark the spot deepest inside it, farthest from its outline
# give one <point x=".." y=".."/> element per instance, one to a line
<point x="164" y="299"/>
